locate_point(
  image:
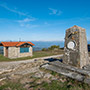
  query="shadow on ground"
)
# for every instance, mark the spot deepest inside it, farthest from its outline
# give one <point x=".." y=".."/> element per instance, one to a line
<point x="53" y="59"/>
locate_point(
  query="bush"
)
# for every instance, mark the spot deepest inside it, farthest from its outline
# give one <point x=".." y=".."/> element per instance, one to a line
<point x="44" y="49"/>
<point x="54" y="47"/>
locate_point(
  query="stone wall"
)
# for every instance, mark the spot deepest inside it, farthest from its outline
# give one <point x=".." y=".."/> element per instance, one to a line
<point x="30" y="53"/>
<point x="4" y="49"/>
<point x="14" y="52"/>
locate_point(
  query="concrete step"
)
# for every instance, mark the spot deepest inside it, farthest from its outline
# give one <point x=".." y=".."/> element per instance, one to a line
<point x="65" y="72"/>
<point x="71" y="68"/>
<point x="69" y="71"/>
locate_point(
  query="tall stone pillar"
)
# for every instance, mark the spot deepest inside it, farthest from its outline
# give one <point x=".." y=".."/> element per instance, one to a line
<point x="76" y="52"/>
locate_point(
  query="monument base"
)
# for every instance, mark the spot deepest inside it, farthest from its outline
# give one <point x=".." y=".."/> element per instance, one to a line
<point x="76" y="51"/>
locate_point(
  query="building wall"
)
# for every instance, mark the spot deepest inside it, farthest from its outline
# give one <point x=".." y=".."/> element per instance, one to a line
<point x="26" y="53"/>
<point x="4" y="49"/>
<point x="14" y="52"/>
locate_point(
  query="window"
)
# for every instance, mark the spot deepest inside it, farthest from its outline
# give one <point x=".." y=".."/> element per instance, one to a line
<point x="23" y="50"/>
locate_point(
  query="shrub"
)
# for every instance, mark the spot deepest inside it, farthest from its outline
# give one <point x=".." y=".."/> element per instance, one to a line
<point x="54" y="47"/>
<point x="44" y="49"/>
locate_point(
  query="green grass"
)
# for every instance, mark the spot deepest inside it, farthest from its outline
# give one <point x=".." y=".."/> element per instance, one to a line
<point x="12" y="86"/>
<point x="70" y="84"/>
<point x="2" y="58"/>
<point x="57" y="85"/>
<point x="36" y="54"/>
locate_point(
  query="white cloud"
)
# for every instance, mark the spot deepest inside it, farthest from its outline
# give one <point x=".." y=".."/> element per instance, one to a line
<point x="27" y="23"/>
<point x="14" y="10"/>
<point x="31" y="26"/>
<point x="55" y="11"/>
<point x="26" y="20"/>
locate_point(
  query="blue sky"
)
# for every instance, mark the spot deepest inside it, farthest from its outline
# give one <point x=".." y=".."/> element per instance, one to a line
<point x="42" y="20"/>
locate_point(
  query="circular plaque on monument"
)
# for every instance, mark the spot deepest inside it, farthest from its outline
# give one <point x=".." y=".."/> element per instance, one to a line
<point x="71" y="45"/>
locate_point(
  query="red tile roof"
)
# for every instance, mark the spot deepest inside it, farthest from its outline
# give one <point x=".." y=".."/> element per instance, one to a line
<point x="10" y="44"/>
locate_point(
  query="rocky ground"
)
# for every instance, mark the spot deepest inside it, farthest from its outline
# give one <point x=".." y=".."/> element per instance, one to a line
<point x="28" y="75"/>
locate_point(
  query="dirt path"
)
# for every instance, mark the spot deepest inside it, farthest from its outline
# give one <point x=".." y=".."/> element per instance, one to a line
<point x="15" y="63"/>
<point x="24" y="66"/>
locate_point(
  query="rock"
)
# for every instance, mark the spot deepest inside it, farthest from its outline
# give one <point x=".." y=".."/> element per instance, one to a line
<point x="87" y="80"/>
<point x="31" y="89"/>
<point x="47" y="80"/>
<point x="38" y="74"/>
<point x="54" y="78"/>
<point x="6" y="71"/>
<point x="2" y="79"/>
<point x="87" y="67"/>
<point x="8" y="88"/>
<point x="14" y="77"/>
<point x="47" y="75"/>
<point x="39" y="81"/>
<point x="62" y="80"/>
<point x="26" y="80"/>
<point x="27" y="86"/>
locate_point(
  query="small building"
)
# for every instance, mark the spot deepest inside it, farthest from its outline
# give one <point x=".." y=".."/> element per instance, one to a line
<point x="17" y="49"/>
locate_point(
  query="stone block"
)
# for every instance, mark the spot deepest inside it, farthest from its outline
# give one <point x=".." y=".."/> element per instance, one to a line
<point x="76" y="51"/>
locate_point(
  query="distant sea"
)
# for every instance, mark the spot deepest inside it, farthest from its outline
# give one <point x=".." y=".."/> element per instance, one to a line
<point x="45" y="44"/>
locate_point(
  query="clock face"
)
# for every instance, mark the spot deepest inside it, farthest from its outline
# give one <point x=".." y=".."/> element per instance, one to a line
<point x="71" y="45"/>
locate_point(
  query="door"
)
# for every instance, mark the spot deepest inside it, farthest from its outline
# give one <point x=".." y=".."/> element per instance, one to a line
<point x="6" y="52"/>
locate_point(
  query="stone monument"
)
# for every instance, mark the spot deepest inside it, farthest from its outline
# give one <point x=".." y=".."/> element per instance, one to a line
<point x="76" y="52"/>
